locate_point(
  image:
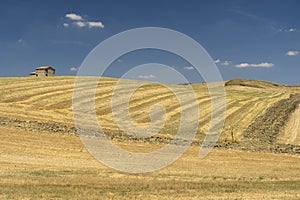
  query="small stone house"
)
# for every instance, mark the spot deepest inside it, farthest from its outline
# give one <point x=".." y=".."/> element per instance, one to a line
<point x="43" y="71"/>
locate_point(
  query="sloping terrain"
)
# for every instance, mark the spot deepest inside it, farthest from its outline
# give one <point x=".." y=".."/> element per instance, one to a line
<point x="42" y="158"/>
<point x="45" y="104"/>
<point x="252" y="83"/>
<point x="263" y="133"/>
<point x="290" y="134"/>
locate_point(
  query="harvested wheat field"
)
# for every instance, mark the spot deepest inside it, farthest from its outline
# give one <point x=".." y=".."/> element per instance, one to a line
<point x="41" y="157"/>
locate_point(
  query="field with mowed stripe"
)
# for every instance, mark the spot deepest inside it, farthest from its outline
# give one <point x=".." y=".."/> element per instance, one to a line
<point x="41" y="157"/>
<point x="50" y="99"/>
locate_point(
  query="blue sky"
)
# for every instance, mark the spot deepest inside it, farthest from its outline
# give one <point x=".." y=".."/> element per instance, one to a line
<point x="247" y="38"/>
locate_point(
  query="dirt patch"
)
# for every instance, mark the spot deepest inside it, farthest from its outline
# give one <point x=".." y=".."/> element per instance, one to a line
<point x="263" y="132"/>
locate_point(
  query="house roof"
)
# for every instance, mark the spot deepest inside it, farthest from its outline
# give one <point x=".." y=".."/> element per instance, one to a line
<point x="45" y="67"/>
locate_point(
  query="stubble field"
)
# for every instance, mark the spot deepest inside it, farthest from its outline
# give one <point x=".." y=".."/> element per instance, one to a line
<point x="48" y="163"/>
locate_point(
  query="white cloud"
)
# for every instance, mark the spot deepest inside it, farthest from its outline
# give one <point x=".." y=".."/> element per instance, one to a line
<point x="262" y="64"/>
<point x="89" y="24"/>
<point x="189" y="68"/>
<point x="74" y="17"/>
<point x="292" y="53"/>
<point x="291" y="30"/>
<point x="80" y="24"/>
<point x="226" y="63"/>
<point x="95" y="24"/>
<point x="147" y="76"/>
<point x="217" y="61"/>
<point x="73" y="69"/>
<point x="20" y="40"/>
<point x="288" y="30"/>
<point x="241" y="65"/>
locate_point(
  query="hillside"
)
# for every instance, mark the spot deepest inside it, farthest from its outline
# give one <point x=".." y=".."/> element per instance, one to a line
<point x="252" y="83"/>
<point x="41" y="157"/>
<point x="45" y="104"/>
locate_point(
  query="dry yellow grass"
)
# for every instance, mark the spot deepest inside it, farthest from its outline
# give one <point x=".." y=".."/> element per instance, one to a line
<point x="36" y="165"/>
<point x="291" y="132"/>
<point x="50" y="99"/>
<point x="52" y="166"/>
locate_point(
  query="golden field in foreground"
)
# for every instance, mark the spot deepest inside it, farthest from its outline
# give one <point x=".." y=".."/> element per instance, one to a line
<point x="37" y="164"/>
<point x="53" y="166"/>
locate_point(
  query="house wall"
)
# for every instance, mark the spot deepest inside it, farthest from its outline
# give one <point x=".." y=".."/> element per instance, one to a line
<point x="45" y="72"/>
<point x="51" y="72"/>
